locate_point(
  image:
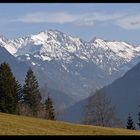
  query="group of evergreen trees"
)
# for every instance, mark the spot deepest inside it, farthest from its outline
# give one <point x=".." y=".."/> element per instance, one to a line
<point x="25" y="100"/>
<point x="130" y="123"/>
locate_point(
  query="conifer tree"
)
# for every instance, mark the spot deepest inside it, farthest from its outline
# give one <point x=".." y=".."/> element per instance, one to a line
<point x="31" y="93"/>
<point x="139" y="118"/>
<point x="130" y="124"/>
<point x="18" y="95"/>
<point x="19" y="92"/>
<point x="8" y="90"/>
<point x="50" y="113"/>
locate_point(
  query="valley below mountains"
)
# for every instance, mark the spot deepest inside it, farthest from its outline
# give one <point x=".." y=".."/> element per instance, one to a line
<point x="70" y="69"/>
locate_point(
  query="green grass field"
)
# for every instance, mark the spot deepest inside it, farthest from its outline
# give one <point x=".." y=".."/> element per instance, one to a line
<point x="21" y="125"/>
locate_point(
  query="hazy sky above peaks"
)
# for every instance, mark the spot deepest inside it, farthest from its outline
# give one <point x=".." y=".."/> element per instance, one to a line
<point x="111" y="21"/>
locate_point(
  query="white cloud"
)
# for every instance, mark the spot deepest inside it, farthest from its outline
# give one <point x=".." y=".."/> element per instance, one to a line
<point x="90" y="18"/>
<point x="87" y="19"/>
<point x="129" y="22"/>
<point x="122" y="19"/>
<point x="47" y="17"/>
<point x="105" y="16"/>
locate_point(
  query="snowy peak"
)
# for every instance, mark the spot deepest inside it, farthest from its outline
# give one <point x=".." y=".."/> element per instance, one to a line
<point x="4" y="42"/>
<point x="40" y="38"/>
<point x="3" y="39"/>
<point x="120" y="49"/>
<point x="78" y="65"/>
<point x="49" y="45"/>
<point x="55" y="45"/>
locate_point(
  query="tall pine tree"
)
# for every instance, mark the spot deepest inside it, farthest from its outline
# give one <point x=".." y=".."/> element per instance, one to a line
<point x="130" y="124"/>
<point x="139" y="118"/>
<point x="8" y="90"/>
<point x="50" y="113"/>
<point x="31" y="93"/>
<point x="19" y="92"/>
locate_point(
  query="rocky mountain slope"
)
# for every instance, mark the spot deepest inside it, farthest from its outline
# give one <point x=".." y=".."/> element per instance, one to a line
<point x="124" y="94"/>
<point x="70" y="64"/>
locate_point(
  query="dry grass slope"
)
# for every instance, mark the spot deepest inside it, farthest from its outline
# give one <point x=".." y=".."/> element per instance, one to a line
<point x="21" y="125"/>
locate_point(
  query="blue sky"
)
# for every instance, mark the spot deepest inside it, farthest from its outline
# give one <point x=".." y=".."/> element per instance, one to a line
<point x="108" y="21"/>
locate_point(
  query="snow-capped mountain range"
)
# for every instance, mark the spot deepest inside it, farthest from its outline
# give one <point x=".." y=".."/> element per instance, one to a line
<point x="56" y="45"/>
<point x="71" y="64"/>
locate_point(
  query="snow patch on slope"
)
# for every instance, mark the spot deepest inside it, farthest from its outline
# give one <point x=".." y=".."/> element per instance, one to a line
<point x="55" y="45"/>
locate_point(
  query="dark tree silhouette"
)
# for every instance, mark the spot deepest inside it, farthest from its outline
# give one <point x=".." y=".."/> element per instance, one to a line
<point x="8" y="90"/>
<point x="31" y="93"/>
<point x="130" y="124"/>
<point x="50" y="113"/>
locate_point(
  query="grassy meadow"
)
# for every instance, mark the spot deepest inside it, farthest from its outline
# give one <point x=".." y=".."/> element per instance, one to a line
<point x="21" y="125"/>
